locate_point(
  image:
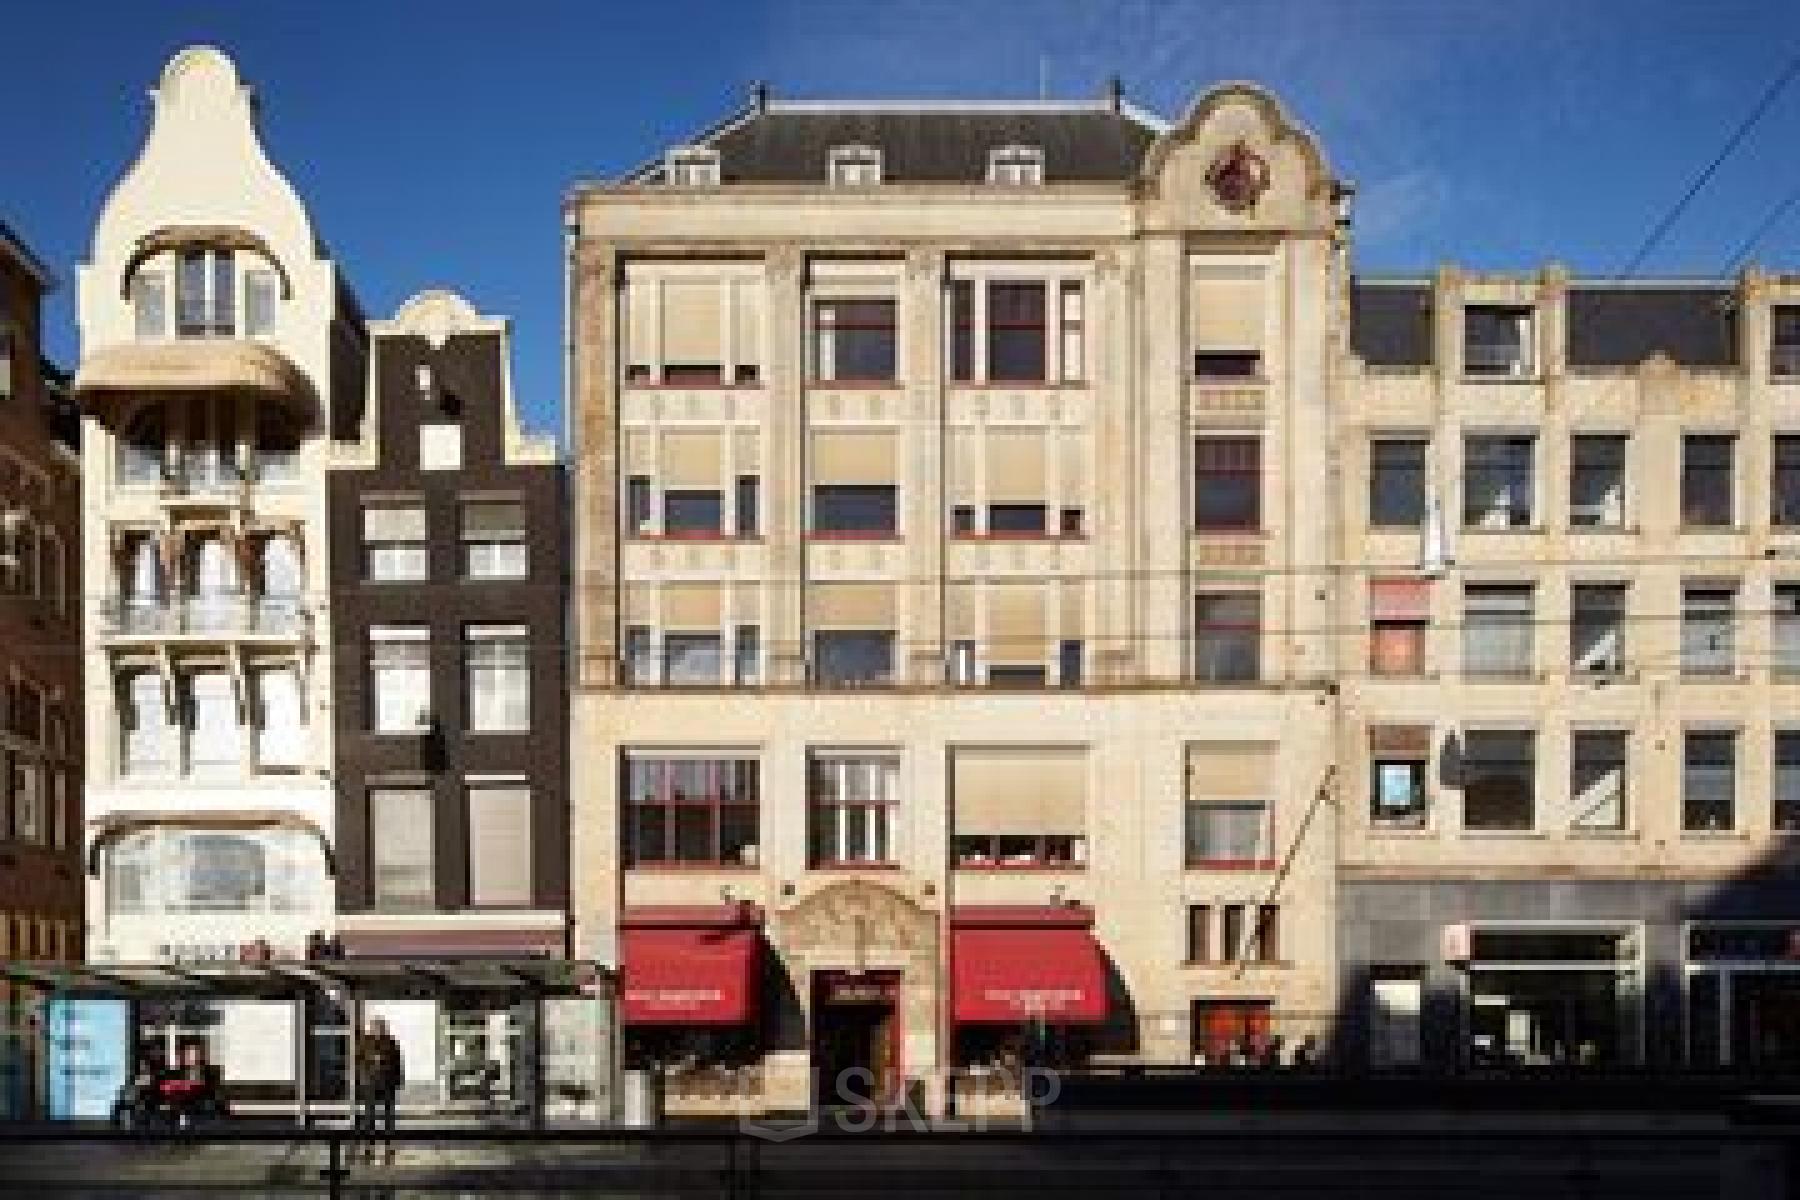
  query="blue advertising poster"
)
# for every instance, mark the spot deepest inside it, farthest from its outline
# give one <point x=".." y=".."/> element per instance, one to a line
<point x="88" y="1049"/>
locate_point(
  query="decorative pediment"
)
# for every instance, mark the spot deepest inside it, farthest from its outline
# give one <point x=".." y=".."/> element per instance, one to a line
<point x="856" y="925"/>
<point x="438" y="315"/>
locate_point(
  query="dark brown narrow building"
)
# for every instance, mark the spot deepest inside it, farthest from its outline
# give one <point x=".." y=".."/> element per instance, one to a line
<point x="447" y="536"/>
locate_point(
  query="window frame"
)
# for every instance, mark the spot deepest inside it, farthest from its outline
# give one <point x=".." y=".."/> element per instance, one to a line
<point x="877" y="808"/>
<point x="1228" y="472"/>
<point x="718" y="796"/>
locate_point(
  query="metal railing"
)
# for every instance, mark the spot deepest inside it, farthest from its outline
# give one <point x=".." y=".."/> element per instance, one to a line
<point x="180" y="616"/>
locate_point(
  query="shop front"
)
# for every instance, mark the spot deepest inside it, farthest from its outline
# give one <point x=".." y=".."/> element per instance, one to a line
<point x="1550" y="996"/>
<point x="1743" y="990"/>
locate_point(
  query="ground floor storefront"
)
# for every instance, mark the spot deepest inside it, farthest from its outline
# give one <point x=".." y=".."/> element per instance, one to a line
<point x="1498" y="975"/>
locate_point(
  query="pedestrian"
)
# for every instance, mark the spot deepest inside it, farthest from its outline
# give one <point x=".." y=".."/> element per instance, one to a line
<point x="379" y="1071"/>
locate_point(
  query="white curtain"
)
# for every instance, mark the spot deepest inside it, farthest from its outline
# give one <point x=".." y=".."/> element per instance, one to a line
<point x="146" y="724"/>
<point x="214" y="736"/>
<point x="215" y="584"/>
<point x="280" y="737"/>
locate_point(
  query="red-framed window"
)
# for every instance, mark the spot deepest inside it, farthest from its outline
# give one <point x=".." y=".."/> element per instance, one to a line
<point x="691" y="812"/>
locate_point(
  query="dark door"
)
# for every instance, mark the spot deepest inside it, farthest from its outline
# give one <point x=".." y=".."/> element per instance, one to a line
<point x="855" y="1038"/>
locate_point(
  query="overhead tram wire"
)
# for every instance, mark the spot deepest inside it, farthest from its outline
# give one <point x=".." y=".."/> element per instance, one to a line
<point x="1749" y="244"/>
<point x="1661" y="229"/>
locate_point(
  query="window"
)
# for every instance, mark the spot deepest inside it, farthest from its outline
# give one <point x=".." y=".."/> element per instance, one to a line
<point x="1597" y="628"/>
<point x="1706" y="479"/>
<point x="1228" y="943"/>
<point x="214" y="738"/>
<point x="1016" y="520"/>
<point x="1497" y="341"/>
<point x="1597" y="481"/>
<point x="146" y="733"/>
<point x="1018" y="806"/>
<point x="1597" y="779"/>
<point x="182" y="871"/>
<point x="1006" y="331"/>
<point x="962" y="661"/>
<point x="1200" y="933"/>
<point x="1784" y="341"/>
<point x="1708" y="629"/>
<point x="440" y="447"/>
<point x="1226" y="303"/>
<point x="853" y="802"/>
<point x="394" y="542"/>
<point x="1784" y="481"/>
<point x="400" y="848"/>
<point x="1709" y="781"/>
<point x="28" y="799"/>
<point x="205" y="293"/>
<point x="638" y="656"/>
<point x="499" y="845"/>
<point x="1228" y="636"/>
<point x="497" y="678"/>
<point x="693" y="512"/>
<point x="855" y="509"/>
<point x="1017" y="165"/>
<point x="1396" y="1000"/>
<point x="399" y="678"/>
<point x="150" y="304"/>
<point x="853" y="658"/>
<point x="749" y="505"/>
<point x="1498" y="481"/>
<point x="1786" y="807"/>
<point x="1397" y="796"/>
<point x="1499" y="770"/>
<point x="1397" y="482"/>
<point x="691" y="659"/>
<point x="854" y="340"/>
<point x="1785" y="637"/>
<point x="637" y="505"/>
<point x="493" y="539"/>
<point x="855" y="166"/>
<point x="1227" y="813"/>
<point x="691" y="811"/>
<point x="277" y="448"/>
<point x="692" y="325"/>
<point x="280" y="718"/>
<point x="1497" y="633"/>
<point x="1230" y="1032"/>
<point x="692" y="166"/>
<point x="1069" y="655"/>
<point x="747" y="660"/>
<point x="1399" y="613"/>
<point x="260" y="293"/>
<point x="1228" y="483"/>
<point x="141" y="447"/>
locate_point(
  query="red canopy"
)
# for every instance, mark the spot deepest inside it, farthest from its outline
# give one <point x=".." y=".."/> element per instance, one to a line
<point x="691" y="966"/>
<point x="1027" y="963"/>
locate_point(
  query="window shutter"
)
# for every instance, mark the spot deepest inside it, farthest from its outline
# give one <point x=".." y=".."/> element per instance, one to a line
<point x="1231" y="770"/>
<point x="854" y="458"/>
<point x="1399" y="600"/>
<point x="692" y="326"/>
<point x="1016" y="623"/>
<point x="1226" y="309"/>
<point x="692" y="459"/>
<point x="851" y="606"/>
<point x="493" y="520"/>
<point x="1017" y="469"/>
<point x="1029" y="790"/>
<point x="691" y="606"/>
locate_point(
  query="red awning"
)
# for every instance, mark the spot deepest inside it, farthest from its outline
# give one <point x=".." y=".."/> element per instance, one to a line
<point x="1027" y="963"/>
<point x="691" y="966"/>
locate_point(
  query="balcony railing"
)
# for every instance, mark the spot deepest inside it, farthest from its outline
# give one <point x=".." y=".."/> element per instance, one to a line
<point x="202" y="615"/>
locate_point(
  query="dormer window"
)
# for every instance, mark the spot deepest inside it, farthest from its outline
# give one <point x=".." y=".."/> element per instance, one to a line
<point x="693" y="166"/>
<point x="855" y="166"/>
<point x="1016" y="165"/>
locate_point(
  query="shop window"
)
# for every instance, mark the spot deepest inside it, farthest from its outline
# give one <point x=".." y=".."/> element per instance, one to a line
<point x="1499" y="481"/>
<point x="853" y="807"/>
<point x="1597" y="628"/>
<point x="1708" y="629"/>
<point x="691" y="811"/>
<point x="1598" y="775"/>
<point x="1231" y="1032"/>
<point x="1397" y="482"/>
<point x="853" y="657"/>
<point x="401" y="848"/>
<point x="1709" y="781"/>
<point x="855" y="340"/>
<point x="1597" y="481"/>
<point x="1707" y="480"/>
<point x="1497" y="630"/>
<point x="1499" y="780"/>
<point x="1396" y="1004"/>
<point x="1228" y="636"/>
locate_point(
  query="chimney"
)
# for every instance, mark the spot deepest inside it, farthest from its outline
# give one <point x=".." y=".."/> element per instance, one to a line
<point x="1115" y="93"/>
<point x="759" y="96"/>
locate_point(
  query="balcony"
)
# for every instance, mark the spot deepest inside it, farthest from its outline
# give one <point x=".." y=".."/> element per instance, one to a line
<point x="204" y="618"/>
<point x="193" y="365"/>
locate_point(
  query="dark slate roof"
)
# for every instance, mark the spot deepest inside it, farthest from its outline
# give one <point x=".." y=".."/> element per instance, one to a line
<point x="1390" y="323"/>
<point x="1622" y="326"/>
<point x="929" y="145"/>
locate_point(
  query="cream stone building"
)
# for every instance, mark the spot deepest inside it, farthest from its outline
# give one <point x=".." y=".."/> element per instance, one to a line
<point x="954" y="679"/>
<point x="218" y="348"/>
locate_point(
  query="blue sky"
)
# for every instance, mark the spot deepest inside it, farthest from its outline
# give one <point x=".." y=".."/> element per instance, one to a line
<point x="433" y="142"/>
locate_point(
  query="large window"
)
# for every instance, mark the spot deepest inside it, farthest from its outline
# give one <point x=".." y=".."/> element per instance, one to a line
<point x="693" y="512"/>
<point x="691" y="811"/>
<point x="854" y="802"/>
<point x="694" y="325"/>
<point x="394" y="549"/>
<point x="1499" y="779"/>
<point x="1598" y="774"/>
<point x="1397" y="482"/>
<point x="190" y="871"/>
<point x="1227" y="804"/>
<point x="1707" y="489"/>
<point x="499" y="845"/>
<point x="1498" y="341"/>
<point x="493" y="539"/>
<point x="844" y="509"/>
<point x="1597" y="628"/>
<point x="853" y="657"/>
<point x="1784" y="481"/>
<point x="497" y="680"/>
<point x="1019" y="807"/>
<point x="1708" y="628"/>
<point x="1497" y="629"/>
<point x="1228" y="483"/>
<point x="1597" y="480"/>
<point x="399" y="678"/>
<point x="1498" y="481"/>
<point x="854" y="340"/>
<point x="401" y="856"/>
<point x="1004" y="331"/>
<point x="1709" y="781"/>
<point x="1228" y="636"/>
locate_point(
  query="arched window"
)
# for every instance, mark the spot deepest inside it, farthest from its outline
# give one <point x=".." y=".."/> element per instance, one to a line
<point x="141" y="446"/>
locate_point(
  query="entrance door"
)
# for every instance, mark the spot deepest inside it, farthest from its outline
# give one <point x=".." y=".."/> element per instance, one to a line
<point x="1765" y="1021"/>
<point x="855" y="1038"/>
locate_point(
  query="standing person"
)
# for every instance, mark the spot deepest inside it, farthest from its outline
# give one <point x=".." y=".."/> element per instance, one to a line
<point x="378" y="1074"/>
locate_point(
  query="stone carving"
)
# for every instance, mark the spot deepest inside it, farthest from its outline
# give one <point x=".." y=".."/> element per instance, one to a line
<point x="1238" y="177"/>
<point x="856" y="925"/>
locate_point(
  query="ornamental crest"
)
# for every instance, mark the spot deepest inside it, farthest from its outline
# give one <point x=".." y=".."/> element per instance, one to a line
<point x="1238" y="177"/>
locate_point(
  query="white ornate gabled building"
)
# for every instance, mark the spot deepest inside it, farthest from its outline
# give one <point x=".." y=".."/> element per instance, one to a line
<point x="219" y="349"/>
